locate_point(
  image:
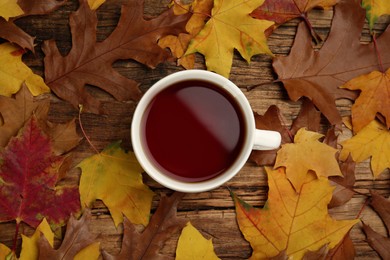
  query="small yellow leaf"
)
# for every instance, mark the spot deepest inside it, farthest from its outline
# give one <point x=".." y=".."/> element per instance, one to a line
<point x="290" y="221"/>
<point x="231" y="27"/>
<point x="192" y="245"/>
<point x="30" y="249"/>
<point x="13" y="72"/>
<point x="305" y="154"/>
<point x="372" y="141"/>
<point x="10" y="8"/>
<point x="95" y="4"/>
<point x="374" y="9"/>
<point x="91" y="252"/>
<point x="114" y="177"/>
<point x="4" y="251"/>
<point x="374" y="98"/>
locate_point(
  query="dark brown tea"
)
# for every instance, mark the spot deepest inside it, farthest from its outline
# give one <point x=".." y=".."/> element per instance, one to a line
<point x="193" y="130"/>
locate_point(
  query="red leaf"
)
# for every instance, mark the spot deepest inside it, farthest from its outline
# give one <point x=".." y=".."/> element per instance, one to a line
<point x="90" y="62"/>
<point x="28" y="177"/>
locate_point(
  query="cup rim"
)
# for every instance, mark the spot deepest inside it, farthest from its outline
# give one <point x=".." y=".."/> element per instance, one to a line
<point x="170" y="182"/>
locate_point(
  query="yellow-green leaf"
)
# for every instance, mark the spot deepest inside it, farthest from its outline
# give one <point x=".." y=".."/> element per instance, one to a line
<point x="192" y="245"/>
<point x="10" y="8"/>
<point x="290" y="221"/>
<point x="30" y="249"/>
<point x="231" y="27"/>
<point x="114" y="177"/>
<point x="91" y="252"/>
<point x="372" y="141"/>
<point x="4" y="251"/>
<point x="305" y="154"/>
<point x="13" y="72"/>
<point x="95" y="4"/>
<point x="374" y="9"/>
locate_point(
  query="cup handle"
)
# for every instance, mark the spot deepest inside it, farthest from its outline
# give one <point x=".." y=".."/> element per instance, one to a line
<point x="266" y="140"/>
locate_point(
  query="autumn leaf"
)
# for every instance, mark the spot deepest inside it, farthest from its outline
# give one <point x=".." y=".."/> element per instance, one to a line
<point x="15" y="111"/>
<point x="29" y="174"/>
<point x="14" y="73"/>
<point x="308" y="117"/>
<point x="373" y="98"/>
<point x="77" y="237"/>
<point x="378" y="242"/>
<point x="372" y="141"/>
<point x="230" y="27"/>
<point x="95" y="4"/>
<point x="375" y="9"/>
<point x="319" y="74"/>
<point x="307" y="154"/>
<point x="294" y="221"/>
<point x="14" y="34"/>
<point x="147" y="245"/>
<point x="30" y="244"/>
<point x="90" y="62"/>
<point x="91" y="252"/>
<point x="115" y="177"/>
<point x="10" y="8"/>
<point x="281" y="11"/>
<point x="192" y="245"/>
<point x="201" y="10"/>
<point x="4" y="251"/>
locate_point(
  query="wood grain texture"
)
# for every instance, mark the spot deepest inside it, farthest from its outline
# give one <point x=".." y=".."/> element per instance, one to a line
<point x="211" y="212"/>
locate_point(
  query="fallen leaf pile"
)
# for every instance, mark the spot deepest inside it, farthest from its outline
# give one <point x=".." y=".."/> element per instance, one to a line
<point x="310" y="173"/>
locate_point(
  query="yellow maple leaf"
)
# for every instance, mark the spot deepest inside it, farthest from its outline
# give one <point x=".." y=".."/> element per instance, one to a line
<point x="13" y="72"/>
<point x="91" y="252"/>
<point x="192" y="245"/>
<point x="95" y="4"/>
<point x="305" y="154"/>
<point x="374" y="98"/>
<point x="290" y="221"/>
<point x="372" y="141"/>
<point x="4" y="251"/>
<point x="10" y="8"/>
<point x="231" y="27"/>
<point x="114" y="177"/>
<point x="178" y="44"/>
<point x="374" y="9"/>
<point x="30" y="249"/>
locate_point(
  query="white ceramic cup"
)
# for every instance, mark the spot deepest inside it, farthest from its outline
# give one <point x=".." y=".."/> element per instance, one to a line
<point x="254" y="139"/>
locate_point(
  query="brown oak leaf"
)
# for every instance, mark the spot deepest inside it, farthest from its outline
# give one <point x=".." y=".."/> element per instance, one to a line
<point x="319" y="74"/>
<point x="90" y="62"/>
<point x="13" y="33"/>
<point x="308" y="117"/>
<point x="378" y="242"/>
<point x="77" y="237"/>
<point x="146" y="245"/>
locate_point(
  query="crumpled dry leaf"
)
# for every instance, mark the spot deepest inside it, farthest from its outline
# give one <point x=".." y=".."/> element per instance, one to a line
<point x="115" y="177"/>
<point x="77" y="237"/>
<point x="372" y="141"/>
<point x="147" y="245"/>
<point x="307" y="154"/>
<point x="230" y="27"/>
<point x="192" y="245"/>
<point x="319" y="74"/>
<point x="374" y="98"/>
<point x="14" y="73"/>
<point x="300" y="225"/>
<point x="378" y="242"/>
<point x="90" y="62"/>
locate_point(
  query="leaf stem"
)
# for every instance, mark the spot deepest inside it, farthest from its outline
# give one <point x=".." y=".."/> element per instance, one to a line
<point x="380" y="63"/>
<point x="14" y="245"/>
<point x="83" y="131"/>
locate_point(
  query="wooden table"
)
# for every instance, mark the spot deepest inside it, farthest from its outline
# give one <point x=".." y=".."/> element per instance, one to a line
<point x="211" y="212"/>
